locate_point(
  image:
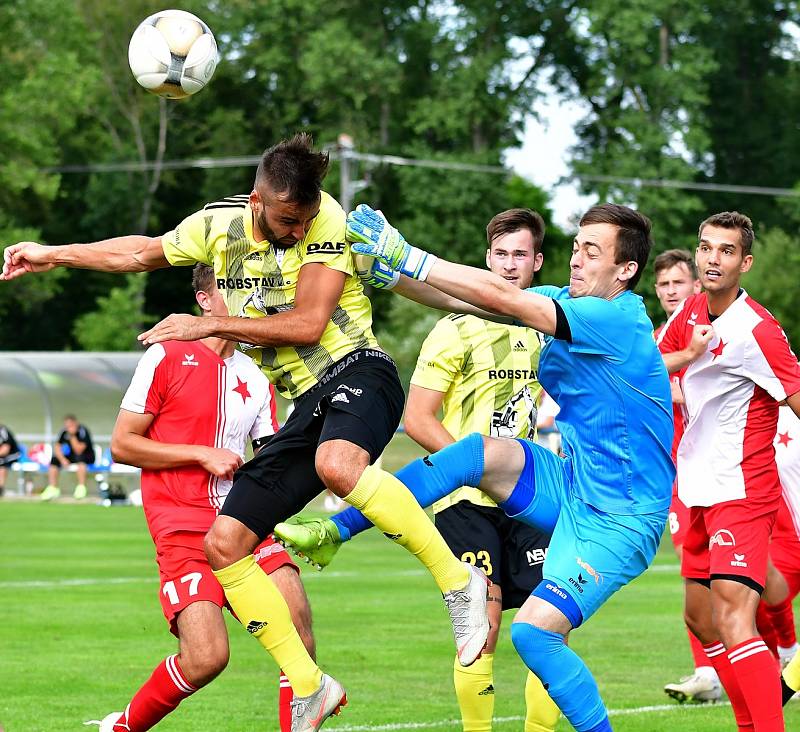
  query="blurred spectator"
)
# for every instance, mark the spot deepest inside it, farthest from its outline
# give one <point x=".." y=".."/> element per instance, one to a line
<point x="74" y="445"/>
<point x="9" y="454"/>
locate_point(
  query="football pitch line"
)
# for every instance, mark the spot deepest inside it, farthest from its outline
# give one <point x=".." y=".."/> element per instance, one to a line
<point x="456" y="723"/>
<point x="87" y="581"/>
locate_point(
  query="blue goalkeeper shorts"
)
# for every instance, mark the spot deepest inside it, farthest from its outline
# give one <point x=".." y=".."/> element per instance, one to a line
<point x="592" y="553"/>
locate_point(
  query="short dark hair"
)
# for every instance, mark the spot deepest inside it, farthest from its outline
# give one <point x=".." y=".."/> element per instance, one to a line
<point x="634" y="240"/>
<point x="732" y="220"/>
<point x="70" y="417"/>
<point x="203" y="278"/>
<point x="673" y="257"/>
<point x="294" y="169"/>
<point x="516" y="219"/>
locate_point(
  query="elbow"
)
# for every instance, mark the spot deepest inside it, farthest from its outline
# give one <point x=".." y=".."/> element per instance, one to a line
<point x="118" y="452"/>
<point x="311" y="335"/>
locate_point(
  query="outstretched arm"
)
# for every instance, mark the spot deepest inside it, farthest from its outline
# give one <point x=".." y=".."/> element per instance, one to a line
<point x="319" y="289"/>
<point x="374" y="236"/>
<point x="121" y="254"/>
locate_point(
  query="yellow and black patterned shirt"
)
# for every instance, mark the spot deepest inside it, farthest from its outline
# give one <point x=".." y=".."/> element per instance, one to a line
<point x="488" y="373"/>
<point x="259" y="280"/>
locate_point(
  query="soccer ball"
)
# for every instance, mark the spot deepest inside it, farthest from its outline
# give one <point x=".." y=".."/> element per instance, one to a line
<point x="173" y="54"/>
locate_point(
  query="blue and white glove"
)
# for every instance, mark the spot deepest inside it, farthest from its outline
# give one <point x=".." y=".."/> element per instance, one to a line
<point x="371" y="234"/>
<point x="375" y="273"/>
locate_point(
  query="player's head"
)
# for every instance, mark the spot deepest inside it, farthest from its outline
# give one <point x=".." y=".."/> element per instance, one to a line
<point x="70" y="422"/>
<point x="725" y="243"/>
<point x="610" y="251"/>
<point x="286" y="194"/>
<point x="676" y="278"/>
<point x="206" y="292"/>
<point x="515" y="245"/>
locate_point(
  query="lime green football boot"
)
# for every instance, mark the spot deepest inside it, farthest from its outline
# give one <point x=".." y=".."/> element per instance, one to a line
<point x="315" y="540"/>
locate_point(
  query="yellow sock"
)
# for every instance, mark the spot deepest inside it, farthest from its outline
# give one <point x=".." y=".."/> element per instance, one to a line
<point x="543" y="714"/>
<point x="791" y="674"/>
<point x="386" y="502"/>
<point x="261" y="609"/>
<point x="475" y="693"/>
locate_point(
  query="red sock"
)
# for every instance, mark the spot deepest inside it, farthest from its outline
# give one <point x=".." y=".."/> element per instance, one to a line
<point x="698" y="652"/>
<point x="766" y="629"/>
<point x="782" y="617"/>
<point x="285" y="696"/>
<point x="161" y="693"/>
<point x="759" y="680"/>
<point x="715" y="652"/>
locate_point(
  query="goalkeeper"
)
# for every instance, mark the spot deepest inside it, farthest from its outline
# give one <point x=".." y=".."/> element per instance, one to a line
<point x="483" y="374"/>
<point x="606" y="500"/>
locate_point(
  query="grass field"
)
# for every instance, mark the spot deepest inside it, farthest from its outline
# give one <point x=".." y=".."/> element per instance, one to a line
<point x="81" y="628"/>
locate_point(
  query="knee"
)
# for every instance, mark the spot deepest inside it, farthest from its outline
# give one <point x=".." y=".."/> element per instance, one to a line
<point x="534" y="644"/>
<point x="222" y="547"/>
<point x="339" y="469"/>
<point x="202" y="665"/>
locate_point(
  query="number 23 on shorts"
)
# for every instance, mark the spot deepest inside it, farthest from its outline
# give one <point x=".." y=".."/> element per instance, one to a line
<point x="481" y="556"/>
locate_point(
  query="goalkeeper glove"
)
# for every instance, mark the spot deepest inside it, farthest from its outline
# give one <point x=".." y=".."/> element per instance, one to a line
<point x="375" y="273"/>
<point x="371" y="234"/>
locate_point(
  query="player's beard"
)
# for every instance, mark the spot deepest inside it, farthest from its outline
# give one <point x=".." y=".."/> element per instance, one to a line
<point x="269" y="234"/>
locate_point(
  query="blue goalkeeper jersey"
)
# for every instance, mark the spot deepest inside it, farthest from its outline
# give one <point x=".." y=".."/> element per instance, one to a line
<point x="616" y="409"/>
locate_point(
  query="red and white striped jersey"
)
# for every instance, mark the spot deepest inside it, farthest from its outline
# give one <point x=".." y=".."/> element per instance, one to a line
<point x="196" y="398"/>
<point x="732" y="393"/>
<point x="787" y="456"/>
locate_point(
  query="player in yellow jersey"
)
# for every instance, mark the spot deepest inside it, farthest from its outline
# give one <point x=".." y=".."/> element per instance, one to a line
<point x="483" y="375"/>
<point x="281" y="260"/>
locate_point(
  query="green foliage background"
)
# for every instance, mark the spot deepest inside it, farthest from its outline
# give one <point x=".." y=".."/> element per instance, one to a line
<point x="699" y="92"/>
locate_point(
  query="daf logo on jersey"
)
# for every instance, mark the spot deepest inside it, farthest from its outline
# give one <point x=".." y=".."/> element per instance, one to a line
<point x="189" y="360"/>
<point x="329" y="247"/>
<point x="536" y="556"/>
<point x="723" y="537"/>
<point x="738" y="560"/>
<point x="591" y="571"/>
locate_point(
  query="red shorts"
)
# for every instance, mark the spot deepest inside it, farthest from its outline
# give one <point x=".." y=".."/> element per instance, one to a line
<point x="678" y="519"/>
<point x="729" y="540"/>
<point x="784" y="549"/>
<point x="186" y="576"/>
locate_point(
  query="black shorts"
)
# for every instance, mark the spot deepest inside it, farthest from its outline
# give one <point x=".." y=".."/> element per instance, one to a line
<point x="510" y="552"/>
<point x="87" y="456"/>
<point x="10" y="459"/>
<point x="359" y="399"/>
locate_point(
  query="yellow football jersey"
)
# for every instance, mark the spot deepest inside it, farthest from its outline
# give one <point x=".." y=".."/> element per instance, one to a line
<point x="257" y="279"/>
<point x="488" y="373"/>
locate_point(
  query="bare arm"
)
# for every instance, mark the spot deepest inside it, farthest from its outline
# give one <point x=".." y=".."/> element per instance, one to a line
<point x="76" y="445"/>
<point x="121" y="254"/>
<point x="319" y="289"/>
<point x="425" y="294"/>
<point x="794" y="402"/>
<point x="130" y="446"/>
<point x="421" y="421"/>
<point x="491" y="292"/>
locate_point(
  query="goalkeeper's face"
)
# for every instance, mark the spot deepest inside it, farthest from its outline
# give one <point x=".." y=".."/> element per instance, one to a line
<point x="513" y="256"/>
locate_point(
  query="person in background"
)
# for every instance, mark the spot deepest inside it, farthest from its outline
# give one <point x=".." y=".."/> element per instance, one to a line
<point x="74" y="446"/>
<point x="9" y="454"/>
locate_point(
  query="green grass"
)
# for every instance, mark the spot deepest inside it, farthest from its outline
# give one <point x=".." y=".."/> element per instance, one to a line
<point x="77" y="645"/>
